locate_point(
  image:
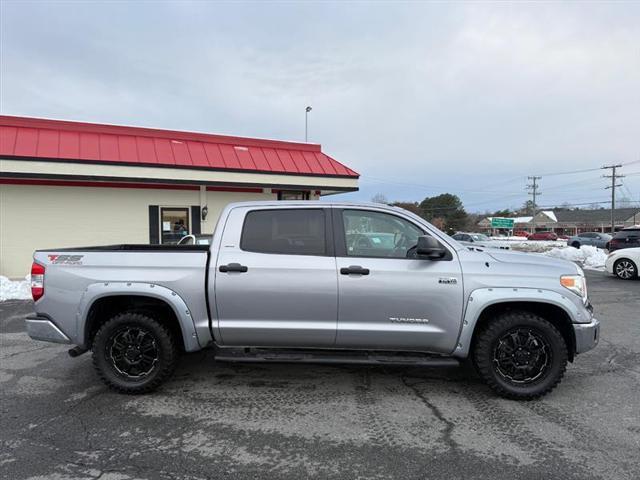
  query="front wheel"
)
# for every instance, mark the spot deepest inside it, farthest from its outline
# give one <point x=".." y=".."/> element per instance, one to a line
<point x="133" y="353"/>
<point x="520" y="355"/>
<point x="625" y="269"/>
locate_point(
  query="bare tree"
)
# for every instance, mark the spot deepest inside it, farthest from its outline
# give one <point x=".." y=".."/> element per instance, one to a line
<point x="380" y="198"/>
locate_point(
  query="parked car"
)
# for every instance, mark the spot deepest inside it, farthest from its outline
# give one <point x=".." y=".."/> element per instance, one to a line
<point x="291" y="281"/>
<point x="521" y="233"/>
<point x="624" y="263"/>
<point x="627" y="238"/>
<point x="195" y="239"/>
<point x="543" y="236"/>
<point x="478" y="240"/>
<point x="595" y="239"/>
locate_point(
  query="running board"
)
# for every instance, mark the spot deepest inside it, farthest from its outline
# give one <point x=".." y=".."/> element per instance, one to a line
<point x="366" y="358"/>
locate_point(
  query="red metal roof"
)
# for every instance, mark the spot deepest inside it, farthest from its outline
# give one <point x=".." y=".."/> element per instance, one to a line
<point x="56" y="140"/>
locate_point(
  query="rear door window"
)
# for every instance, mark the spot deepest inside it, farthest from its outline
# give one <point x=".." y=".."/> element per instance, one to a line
<point x="285" y="231"/>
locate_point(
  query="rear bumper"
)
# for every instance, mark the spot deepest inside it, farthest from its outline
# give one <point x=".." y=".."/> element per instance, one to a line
<point x="587" y="335"/>
<point x="41" y="328"/>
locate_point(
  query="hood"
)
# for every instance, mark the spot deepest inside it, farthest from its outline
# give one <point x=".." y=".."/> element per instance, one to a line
<point x="522" y="258"/>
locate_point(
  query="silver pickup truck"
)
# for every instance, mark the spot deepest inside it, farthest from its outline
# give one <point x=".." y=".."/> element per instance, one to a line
<point x="316" y="282"/>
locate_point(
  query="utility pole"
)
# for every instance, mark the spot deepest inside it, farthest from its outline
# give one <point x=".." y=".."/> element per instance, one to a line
<point x="613" y="186"/>
<point x="533" y="191"/>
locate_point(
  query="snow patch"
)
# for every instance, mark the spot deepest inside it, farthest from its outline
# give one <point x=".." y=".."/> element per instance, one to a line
<point x="15" y="290"/>
<point x="589" y="257"/>
<point x="536" y="246"/>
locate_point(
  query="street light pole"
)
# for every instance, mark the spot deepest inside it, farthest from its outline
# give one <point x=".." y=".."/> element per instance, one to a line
<point x="306" y="123"/>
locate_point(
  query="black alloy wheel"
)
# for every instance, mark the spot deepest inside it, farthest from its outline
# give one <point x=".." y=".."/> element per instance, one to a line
<point x="520" y="354"/>
<point x="134" y="353"/>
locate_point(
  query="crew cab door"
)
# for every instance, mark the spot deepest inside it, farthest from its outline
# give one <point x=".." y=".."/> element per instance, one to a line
<point x="387" y="300"/>
<point x="275" y="278"/>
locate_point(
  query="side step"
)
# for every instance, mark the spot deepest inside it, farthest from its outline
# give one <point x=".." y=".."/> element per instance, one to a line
<point x="333" y="357"/>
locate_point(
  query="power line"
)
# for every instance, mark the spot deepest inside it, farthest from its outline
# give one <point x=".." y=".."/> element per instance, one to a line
<point x="440" y="187"/>
<point x="570" y="172"/>
<point x="613" y="186"/>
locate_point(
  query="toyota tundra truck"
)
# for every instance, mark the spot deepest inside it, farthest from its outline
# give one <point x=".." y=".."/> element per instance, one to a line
<point x="316" y="282"/>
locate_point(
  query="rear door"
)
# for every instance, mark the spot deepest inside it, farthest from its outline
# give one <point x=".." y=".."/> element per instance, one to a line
<point x="388" y="300"/>
<point x="275" y="278"/>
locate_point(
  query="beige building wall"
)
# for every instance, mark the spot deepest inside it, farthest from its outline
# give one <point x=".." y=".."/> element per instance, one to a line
<point x="39" y="217"/>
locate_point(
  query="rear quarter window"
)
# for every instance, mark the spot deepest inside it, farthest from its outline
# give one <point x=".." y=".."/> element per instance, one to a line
<point x="285" y="231"/>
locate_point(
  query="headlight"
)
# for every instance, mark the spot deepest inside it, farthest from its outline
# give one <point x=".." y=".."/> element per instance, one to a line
<point x="576" y="283"/>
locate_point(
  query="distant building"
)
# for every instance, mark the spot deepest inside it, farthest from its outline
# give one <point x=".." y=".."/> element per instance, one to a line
<point x="571" y="222"/>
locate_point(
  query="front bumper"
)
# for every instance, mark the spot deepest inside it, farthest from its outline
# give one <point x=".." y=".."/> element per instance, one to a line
<point x="41" y="328"/>
<point x="587" y="335"/>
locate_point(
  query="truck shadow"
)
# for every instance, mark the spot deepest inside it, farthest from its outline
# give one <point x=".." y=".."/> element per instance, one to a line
<point x="202" y="367"/>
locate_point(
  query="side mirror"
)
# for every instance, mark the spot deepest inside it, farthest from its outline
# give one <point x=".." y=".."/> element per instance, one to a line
<point x="430" y="248"/>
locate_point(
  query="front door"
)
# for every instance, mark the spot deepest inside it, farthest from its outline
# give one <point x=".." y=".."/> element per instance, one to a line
<point x="388" y="300"/>
<point x="275" y="278"/>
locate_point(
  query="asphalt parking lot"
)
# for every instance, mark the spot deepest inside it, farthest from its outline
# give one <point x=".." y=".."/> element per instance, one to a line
<point x="298" y="421"/>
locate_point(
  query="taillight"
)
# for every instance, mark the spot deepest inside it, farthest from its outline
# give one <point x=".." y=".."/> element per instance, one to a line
<point x="37" y="281"/>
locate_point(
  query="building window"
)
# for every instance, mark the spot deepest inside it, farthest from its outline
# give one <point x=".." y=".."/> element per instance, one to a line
<point x="292" y="195"/>
<point x="174" y="224"/>
<point x="290" y="232"/>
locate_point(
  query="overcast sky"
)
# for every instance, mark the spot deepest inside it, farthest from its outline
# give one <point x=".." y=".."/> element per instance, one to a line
<point x="420" y="98"/>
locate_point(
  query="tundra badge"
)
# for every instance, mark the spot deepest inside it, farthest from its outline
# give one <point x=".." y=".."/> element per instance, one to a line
<point x="448" y="281"/>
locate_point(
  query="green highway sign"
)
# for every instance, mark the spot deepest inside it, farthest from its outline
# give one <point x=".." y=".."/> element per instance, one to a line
<point x="499" y="222"/>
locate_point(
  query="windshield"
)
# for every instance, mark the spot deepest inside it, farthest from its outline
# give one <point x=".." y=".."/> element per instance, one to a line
<point x="478" y="237"/>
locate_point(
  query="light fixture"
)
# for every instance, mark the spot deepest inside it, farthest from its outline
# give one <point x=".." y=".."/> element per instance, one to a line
<point x="204" y="213"/>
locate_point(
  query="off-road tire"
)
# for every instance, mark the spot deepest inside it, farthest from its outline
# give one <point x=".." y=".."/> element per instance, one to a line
<point x="632" y="265"/>
<point x="487" y="341"/>
<point x="167" y="353"/>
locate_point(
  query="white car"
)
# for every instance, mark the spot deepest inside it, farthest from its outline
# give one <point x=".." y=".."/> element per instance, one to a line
<point x="624" y="263"/>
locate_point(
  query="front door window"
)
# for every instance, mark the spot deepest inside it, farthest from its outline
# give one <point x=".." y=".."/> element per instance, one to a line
<point x="375" y="234"/>
<point x="174" y="224"/>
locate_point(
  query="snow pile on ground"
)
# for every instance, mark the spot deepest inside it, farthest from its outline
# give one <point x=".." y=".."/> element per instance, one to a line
<point x="589" y="257"/>
<point x="515" y="238"/>
<point x="15" y="290"/>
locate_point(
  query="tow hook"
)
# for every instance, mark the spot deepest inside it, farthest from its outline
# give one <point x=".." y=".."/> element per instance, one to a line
<point x="76" y="351"/>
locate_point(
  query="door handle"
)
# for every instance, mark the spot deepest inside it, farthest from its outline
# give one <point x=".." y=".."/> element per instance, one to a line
<point x="355" y="270"/>
<point x="233" y="267"/>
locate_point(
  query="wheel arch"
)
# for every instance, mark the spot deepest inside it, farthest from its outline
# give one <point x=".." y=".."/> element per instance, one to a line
<point x="484" y="304"/>
<point x="104" y="301"/>
<point x="554" y="314"/>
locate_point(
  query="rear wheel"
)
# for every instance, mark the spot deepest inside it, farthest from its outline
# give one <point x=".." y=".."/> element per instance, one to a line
<point x="625" y="269"/>
<point x="521" y="355"/>
<point x="133" y="353"/>
<point x="575" y="244"/>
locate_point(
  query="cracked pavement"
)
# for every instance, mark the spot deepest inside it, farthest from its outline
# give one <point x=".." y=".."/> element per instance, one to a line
<point x="215" y="420"/>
